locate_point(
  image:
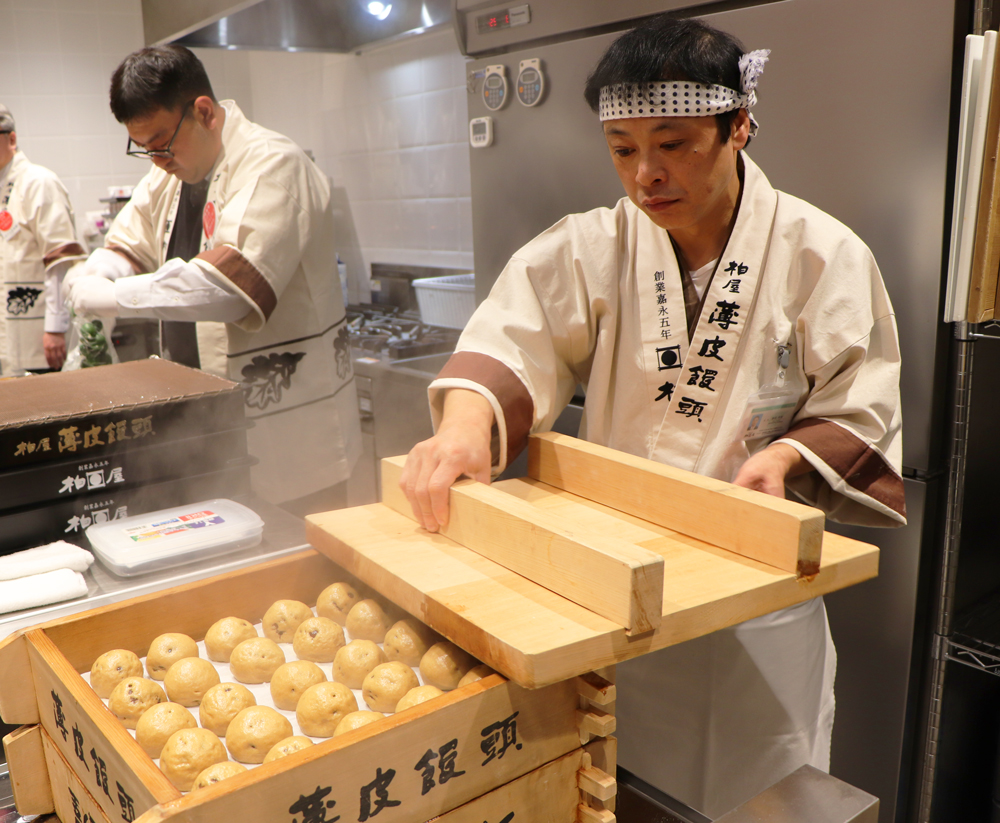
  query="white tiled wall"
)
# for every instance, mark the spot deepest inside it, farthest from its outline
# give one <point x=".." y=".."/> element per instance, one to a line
<point x="56" y="60"/>
<point x="390" y="125"/>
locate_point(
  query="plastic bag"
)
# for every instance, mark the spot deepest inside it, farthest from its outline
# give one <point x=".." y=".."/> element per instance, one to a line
<point x="89" y="343"/>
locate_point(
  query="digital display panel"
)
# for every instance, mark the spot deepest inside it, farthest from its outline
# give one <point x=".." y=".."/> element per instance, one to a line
<point x="492" y="22"/>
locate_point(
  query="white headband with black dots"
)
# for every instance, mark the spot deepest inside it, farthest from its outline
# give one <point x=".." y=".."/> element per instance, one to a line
<point x="682" y="98"/>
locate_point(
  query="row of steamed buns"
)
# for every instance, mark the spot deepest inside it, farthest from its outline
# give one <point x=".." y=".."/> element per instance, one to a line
<point x="192" y="757"/>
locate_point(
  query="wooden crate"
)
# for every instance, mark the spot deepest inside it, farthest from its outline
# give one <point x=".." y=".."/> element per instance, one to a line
<point x="501" y="732"/>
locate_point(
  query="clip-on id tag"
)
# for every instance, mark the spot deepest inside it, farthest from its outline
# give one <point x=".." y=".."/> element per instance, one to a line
<point x="770" y="410"/>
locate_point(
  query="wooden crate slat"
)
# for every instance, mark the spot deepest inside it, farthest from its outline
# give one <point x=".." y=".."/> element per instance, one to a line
<point x="29" y="777"/>
<point x="546" y="794"/>
<point x="536" y="637"/>
<point x="610" y="576"/>
<point x="770" y="529"/>
<point x="88" y="736"/>
<point x="190" y="608"/>
<point x="73" y="801"/>
<point x="18" y="705"/>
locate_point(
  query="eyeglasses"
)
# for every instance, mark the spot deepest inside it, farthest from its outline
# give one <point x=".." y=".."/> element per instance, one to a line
<point x="166" y="153"/>
<point x="7" y="131"/>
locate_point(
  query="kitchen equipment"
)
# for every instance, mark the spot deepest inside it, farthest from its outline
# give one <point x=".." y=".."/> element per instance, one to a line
<point x="447" y="301"/>
<point x="392" y="285"/>
<point x="166" y="538"/>
<point x="289" y="25"/>
<point x="386" y="333"/>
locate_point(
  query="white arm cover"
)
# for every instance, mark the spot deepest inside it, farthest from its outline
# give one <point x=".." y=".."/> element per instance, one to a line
<point x="179" y="291"/>
<point x="56" y="313"/>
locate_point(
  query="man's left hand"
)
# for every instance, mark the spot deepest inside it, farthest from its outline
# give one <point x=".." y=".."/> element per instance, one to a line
<point x="92" y="297"/>
<point x="767" y="469"/>
<point x="54" y="344"/>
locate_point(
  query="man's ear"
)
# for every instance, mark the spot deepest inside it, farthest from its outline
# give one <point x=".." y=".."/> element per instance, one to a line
<point x="204" y="112"/>
<point x="740" y="129"/>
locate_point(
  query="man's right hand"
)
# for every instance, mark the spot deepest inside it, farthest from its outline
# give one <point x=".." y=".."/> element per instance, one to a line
<point x="460" y="447"/>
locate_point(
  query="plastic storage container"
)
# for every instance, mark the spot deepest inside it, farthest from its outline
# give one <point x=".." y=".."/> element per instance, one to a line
<point x="172" y="537"/>
<point x="446" y="301"/>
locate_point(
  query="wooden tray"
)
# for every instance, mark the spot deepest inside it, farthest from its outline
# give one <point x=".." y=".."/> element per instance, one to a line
<point x="75" y="734"/>
<point x="537" y="637"/>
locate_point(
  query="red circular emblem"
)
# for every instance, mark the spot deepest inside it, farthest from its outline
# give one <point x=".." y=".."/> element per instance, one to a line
<point x="208" y="219"/>
<point x="6" y="221"/>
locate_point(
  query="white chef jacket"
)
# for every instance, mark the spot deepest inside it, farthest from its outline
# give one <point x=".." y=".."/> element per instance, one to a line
<point x="268" y="239"/>
<point x="598" y="300"/>
<point x="38" y="244"/>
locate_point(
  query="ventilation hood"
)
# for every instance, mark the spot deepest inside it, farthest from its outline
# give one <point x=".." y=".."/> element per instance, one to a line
<point x="289" y="25"/>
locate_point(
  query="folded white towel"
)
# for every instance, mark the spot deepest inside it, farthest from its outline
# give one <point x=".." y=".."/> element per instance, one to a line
<point x="41" y="589"/>
<point x="58" y="555"/>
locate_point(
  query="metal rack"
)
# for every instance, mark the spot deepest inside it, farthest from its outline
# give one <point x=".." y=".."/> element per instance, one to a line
<point x="953" y="639"/>
<point x="975" y="637"/>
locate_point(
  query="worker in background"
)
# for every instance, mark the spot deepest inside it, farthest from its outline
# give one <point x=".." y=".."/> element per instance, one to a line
<point x="719" y="326"/>
<point x="233" y="224"/>
<point x="37" y="245"/>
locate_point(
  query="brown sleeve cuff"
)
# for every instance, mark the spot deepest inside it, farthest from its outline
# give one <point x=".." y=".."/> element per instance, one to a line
<point x="66" y="250"/>
<point x="244" y="275"/>
<point x="134" y="261"/>
<point x="861" y="466"/>
<point x="507" y="388"/>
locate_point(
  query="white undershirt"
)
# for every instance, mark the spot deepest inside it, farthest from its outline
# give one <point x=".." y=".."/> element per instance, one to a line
<point x="700" y="278"/>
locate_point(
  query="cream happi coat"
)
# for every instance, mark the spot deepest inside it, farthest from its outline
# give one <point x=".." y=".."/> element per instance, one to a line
<point x="268" y="233"/>
<point x="716" y="720"/>
<point x="37" y="244"/>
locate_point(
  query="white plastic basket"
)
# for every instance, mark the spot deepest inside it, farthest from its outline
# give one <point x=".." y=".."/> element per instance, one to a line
<point x="446" y="301"/>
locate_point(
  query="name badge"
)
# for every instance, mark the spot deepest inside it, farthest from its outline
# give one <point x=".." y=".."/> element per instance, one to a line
<point x="769" y="413"/>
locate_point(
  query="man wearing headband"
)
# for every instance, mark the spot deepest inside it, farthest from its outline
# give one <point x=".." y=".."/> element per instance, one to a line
<point x="718" y="326"/>
<point x="37" y="245"/>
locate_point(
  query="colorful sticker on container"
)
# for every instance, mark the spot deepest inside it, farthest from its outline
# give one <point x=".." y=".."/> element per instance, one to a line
<point x="174" y="525"/>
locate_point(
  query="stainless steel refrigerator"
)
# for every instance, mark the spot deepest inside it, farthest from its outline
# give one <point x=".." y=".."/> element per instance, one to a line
<point x="855" y="114"/>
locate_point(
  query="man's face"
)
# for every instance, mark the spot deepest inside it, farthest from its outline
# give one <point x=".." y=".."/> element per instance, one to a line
<point x="195" y="146"/>
<point x="676" y="169"/>
<point x="8" y="145"/>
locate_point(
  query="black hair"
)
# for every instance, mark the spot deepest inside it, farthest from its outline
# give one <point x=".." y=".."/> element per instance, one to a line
<point x="158" y="77"/>
<point x="666" y="47"/>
